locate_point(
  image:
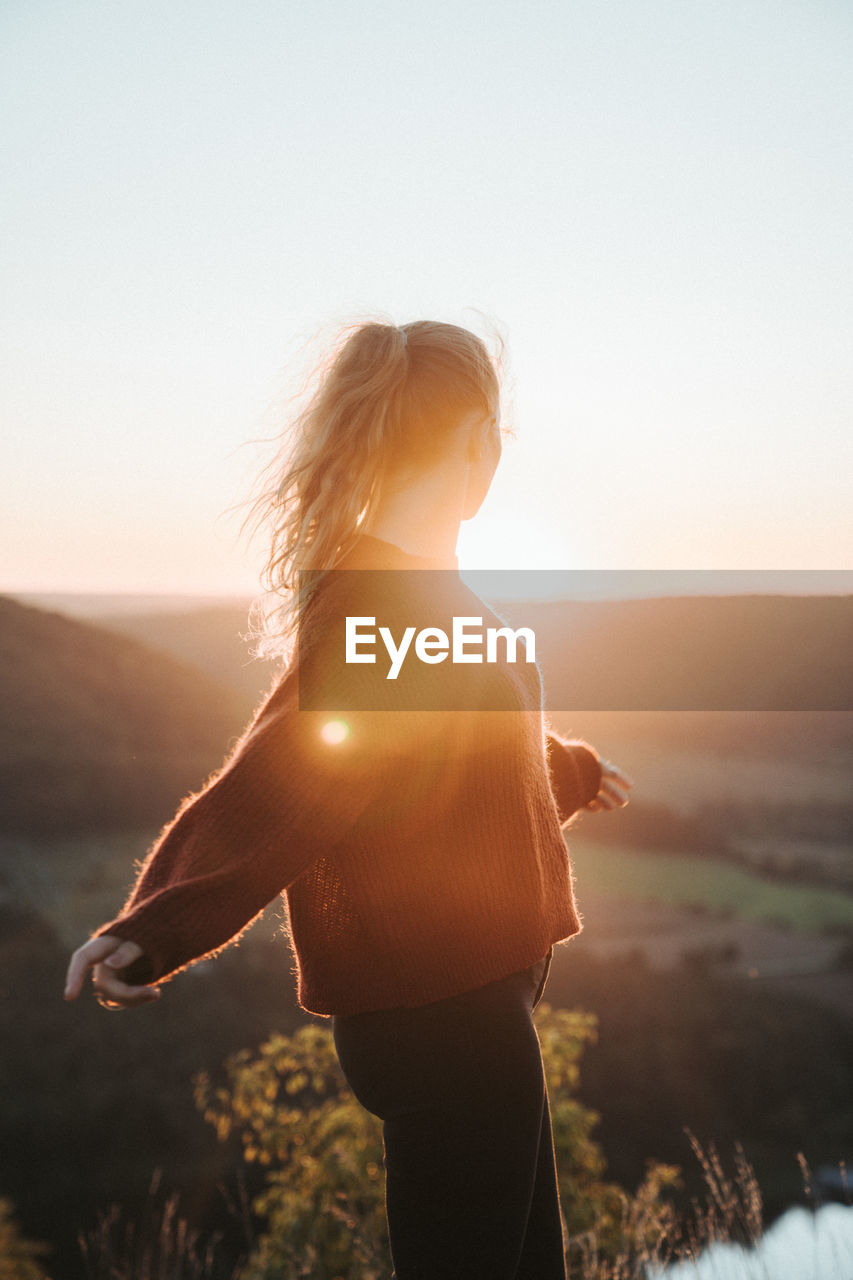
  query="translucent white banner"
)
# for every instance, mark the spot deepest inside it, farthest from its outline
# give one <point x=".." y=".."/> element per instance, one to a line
<point x="408" y="639"/>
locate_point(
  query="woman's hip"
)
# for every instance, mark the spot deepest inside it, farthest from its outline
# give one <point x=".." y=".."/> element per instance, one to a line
<point x="479" y="1047"/>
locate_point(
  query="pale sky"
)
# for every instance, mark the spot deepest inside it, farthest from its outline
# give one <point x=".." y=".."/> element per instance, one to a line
<point x="653" y="199"/>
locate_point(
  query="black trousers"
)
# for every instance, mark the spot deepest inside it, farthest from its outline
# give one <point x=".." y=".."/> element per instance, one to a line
<point x="470" y="1179"/>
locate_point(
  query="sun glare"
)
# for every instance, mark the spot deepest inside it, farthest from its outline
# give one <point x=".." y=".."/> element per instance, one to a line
<point x="334" y="732"/>
<point x="512" y="544"/>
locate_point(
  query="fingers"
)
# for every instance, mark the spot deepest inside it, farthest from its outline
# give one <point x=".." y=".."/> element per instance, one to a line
<point x="91" y="952"/>
<point x="105" y="955"/>
<point x="115" y="994"/>
<point x="611" y="796"/>
<point x="613" y="792"/>
<point x="125" y="954"/>
<point x="614" y="789"/>
<point x="611" y="771"/>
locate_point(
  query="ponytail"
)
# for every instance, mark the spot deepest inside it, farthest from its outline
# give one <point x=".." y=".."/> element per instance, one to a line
<point x="383" y="394"/>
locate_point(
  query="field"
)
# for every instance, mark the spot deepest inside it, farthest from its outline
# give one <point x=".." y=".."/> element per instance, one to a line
<point x="717" y="886"/>
<point x="788" y="940"/>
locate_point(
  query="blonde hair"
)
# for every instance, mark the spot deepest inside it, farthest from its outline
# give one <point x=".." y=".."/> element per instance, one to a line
<point x="382" y="394"/>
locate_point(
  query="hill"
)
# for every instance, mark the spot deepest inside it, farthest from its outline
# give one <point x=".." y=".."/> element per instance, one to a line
<point x="756" y="674"/>
<point x="756" y="762"/>
<point x="98" y="730"/>
<point x="694" y="653"/>
<point x="672" y="653"/>
<point x="208" y="636"/>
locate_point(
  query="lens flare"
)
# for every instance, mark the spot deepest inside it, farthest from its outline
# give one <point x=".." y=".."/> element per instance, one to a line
<point x="334" y="732"/>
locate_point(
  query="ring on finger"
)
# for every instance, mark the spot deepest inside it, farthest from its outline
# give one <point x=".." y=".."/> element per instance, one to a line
<point x="105" y="1002"/>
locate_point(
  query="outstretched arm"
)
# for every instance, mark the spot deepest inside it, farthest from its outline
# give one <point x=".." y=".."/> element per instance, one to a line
<point x="286" y="795"/>
<point x="294" y="785"/>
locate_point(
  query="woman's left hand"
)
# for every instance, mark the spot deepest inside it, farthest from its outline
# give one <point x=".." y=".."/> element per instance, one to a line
<point x="613" y="792"/>
<point x="105" y="954"/>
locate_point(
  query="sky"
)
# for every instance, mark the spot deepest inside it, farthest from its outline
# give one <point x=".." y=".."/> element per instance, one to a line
<point x="652" y="199"/>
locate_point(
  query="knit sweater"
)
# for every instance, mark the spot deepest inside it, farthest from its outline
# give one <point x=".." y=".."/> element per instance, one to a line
<point x="418" y="849"/>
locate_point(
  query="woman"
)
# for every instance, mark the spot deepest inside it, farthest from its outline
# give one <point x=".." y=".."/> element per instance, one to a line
<point x="413" y="827"/>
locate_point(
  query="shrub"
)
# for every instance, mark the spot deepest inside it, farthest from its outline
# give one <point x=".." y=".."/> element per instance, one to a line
<point x="323" y="1200"/>
<point x="19" y="1258"/>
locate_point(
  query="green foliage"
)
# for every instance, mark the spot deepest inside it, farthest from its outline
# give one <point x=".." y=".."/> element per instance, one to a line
<point x="19" y="1258"/>
<point x="594" y="1208"/>
<point x="324" y="1196"/>
<point x="323" y="1200"/>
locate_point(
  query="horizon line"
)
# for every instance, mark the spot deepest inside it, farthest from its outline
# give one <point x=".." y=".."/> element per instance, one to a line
<point x="536" y="585"/>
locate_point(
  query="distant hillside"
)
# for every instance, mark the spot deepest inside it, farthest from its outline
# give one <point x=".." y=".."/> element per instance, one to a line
<point x="634" y="656"/>
<point x="695" y="653"/>
<point x="97" y="730"/>
<point x="700" y="673"/>
<point x="211" y="638"/>
<point x="95" y="605"/>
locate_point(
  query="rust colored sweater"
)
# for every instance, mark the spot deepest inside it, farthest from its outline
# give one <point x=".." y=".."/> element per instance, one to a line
<point x="421" y="856"/>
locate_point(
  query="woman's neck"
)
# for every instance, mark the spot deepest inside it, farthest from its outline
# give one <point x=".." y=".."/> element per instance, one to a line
<point x="422" y="519"/>
<point x="426" y="541"/>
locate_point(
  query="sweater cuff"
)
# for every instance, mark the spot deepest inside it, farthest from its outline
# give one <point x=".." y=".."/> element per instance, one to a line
<point x="141" y="971"/>
<point x="589" y="763"/>
<point x="138" y="974"/>
<point x="576" y="773"/>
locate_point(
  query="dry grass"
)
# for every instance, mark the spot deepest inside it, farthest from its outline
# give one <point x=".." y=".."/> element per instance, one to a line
<point x="730" y="1212"/>
<point x="164" y="1247"/>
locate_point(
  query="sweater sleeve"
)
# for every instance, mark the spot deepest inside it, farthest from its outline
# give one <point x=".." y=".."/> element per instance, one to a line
<point x="575" y="770"/>
<point x="294" y="786"/>
<point x="287" y="794"/>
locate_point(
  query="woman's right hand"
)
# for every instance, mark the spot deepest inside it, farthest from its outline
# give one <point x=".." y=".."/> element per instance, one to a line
<point x="104" y="956"/>
<point x="614" y="789"/>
